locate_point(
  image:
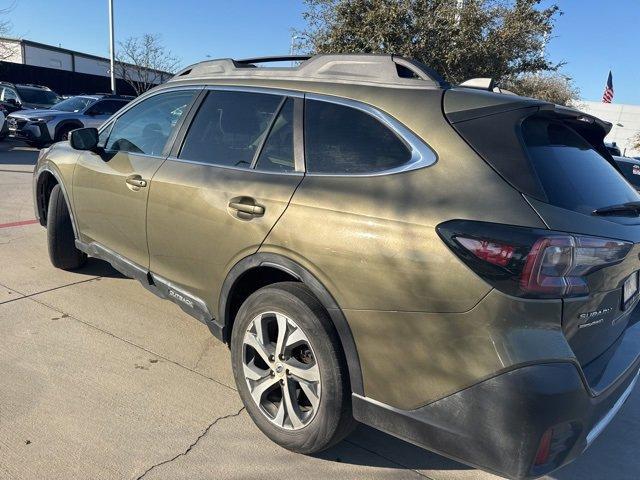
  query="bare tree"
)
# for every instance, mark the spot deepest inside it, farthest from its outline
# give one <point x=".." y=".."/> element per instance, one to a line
<point x="144" y="62"/>
<point x="7" y="49"/>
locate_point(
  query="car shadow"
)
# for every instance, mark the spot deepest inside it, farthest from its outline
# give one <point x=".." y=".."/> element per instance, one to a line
<point x="387" y="450"/>
<point x="18" y="153"/>
<point x="613" y="454"/>
<point x="99" y="268"/>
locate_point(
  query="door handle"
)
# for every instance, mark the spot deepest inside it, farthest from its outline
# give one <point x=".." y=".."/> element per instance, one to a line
<point x="254" y="210"/>
<point x="136" y="181"/>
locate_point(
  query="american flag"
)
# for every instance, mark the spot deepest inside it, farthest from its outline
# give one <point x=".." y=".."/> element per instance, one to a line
<point x="607" y="96"/>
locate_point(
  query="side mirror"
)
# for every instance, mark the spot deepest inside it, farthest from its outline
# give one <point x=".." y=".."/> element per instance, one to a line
<point x="84" y="138"/>
<point x="12" y="101"/>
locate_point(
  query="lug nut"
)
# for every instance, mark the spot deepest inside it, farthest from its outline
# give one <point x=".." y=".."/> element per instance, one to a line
<point x="271" y="358"/>
<point x="281" y="357"/>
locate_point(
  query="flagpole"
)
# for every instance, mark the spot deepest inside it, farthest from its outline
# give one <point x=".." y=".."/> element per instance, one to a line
<point x="112" y="49"/>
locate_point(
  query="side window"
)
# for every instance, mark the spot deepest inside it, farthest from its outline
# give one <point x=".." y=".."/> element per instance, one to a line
<point x="146" y="127"/>
<point x="105" y="107"/>
<point x="342" y="140"/>
<point x="229" y="128"/>
<point x="277" y="153"/>
<point x="9" y="94"/>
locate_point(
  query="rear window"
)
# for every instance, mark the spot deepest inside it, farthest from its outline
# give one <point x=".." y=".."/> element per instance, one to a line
<point x="573" y="175"/>
<point x="35" y="95"/>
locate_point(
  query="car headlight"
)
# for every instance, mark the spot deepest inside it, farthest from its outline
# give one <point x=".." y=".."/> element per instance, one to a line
<point x="41" y="119"/>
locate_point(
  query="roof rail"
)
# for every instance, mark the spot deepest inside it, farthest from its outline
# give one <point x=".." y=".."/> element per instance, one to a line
<point x="35" y="85"/>
<point x="388" y="70"/>
<point x="250" y="62"/>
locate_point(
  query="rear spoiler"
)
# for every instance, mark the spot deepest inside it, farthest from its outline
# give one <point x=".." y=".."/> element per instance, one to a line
<point x="486" y="120"/>
<point x="591" y="128"/>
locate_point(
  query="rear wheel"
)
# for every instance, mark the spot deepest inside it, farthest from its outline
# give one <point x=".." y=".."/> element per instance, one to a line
<point x="290" y="370"/>
<point x="60" y="237"/>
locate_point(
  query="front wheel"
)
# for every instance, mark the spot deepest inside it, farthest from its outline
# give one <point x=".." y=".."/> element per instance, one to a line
<point x="60" y="237"/>
<point x="290" y="370"/>
<point x="63" y="133"/>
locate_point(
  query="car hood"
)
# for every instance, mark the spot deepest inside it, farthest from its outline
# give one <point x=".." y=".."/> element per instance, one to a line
<point x="49" y="112"/>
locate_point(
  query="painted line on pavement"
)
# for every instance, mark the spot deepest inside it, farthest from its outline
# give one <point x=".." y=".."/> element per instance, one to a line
<point x="18" y="224"/>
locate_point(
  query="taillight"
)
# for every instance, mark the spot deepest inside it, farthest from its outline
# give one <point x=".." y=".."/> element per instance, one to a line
<point x="529" y="262"/>
<point x="492" y="252"/>
<point x="544" y="448"/>
<point x="553" y="447"/>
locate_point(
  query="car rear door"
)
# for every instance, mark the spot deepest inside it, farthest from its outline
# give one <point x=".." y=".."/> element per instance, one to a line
<point x="227" y="182"/>
<point x="111" y="187"/>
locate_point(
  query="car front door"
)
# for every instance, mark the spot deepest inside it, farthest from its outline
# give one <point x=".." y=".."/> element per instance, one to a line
<point x="223" y="188"/>
<point x="111" y="187"/>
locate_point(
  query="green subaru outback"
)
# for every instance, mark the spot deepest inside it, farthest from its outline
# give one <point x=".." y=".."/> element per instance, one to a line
<point x="456" y="266"/>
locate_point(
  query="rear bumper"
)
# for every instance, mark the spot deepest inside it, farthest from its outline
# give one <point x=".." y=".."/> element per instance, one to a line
<point x="497" y="425"/>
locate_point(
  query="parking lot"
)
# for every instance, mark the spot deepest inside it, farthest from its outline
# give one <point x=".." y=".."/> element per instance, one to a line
<point x="101" y="379"/>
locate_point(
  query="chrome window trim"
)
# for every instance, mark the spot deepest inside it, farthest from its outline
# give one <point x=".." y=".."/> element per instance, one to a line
<point x="228" y="167"/>
<point x="421" y="154"/>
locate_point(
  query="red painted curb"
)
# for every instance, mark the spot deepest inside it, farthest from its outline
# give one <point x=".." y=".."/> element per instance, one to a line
<point x="18" y="224"/>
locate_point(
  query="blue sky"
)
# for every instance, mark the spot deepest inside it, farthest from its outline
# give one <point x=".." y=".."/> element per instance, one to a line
<point x="592" y="36"/>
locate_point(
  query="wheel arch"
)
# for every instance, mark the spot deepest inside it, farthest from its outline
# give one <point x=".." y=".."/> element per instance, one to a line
<point x="45" y="179"/>
<point x="269" y="263"/>
<point x="66" y="124"/>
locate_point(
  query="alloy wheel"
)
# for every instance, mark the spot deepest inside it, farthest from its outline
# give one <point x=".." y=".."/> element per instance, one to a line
<point x="281" y="370"/>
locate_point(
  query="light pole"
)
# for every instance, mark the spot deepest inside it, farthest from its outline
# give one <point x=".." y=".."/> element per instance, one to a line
<point x="292" y="47"/>
<point x="112" y="49"/>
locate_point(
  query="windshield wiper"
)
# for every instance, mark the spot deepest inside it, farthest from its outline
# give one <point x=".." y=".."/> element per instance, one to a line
<point x="629" y="208"/>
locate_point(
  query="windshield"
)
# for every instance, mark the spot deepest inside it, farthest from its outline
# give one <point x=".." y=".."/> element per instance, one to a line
<point x="35" y="95"/>
<point x="574" y="175"/>
<point x="74" y="104"/>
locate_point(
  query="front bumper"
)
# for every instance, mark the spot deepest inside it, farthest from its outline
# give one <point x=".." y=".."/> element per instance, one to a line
<point x="30" y="131"/>
<point x="498" y="424"/>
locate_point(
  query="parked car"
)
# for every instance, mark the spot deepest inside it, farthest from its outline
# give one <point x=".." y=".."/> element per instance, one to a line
<point x="630" y="168"/>
<point x="312" y="218"/>
<point x="41" y="127"/>
<point x="613" y="148"/>
<point x="3" y="125"/>
<point x="27" y="96"/>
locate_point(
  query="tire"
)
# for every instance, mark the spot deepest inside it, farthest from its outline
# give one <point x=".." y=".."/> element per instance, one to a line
<point x="312" y="428"/>
<point x="60" y="237"/>
<point x="63" y="133"/>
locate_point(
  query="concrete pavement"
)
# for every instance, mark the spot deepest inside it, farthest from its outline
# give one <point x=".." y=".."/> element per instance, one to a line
<point x="101" y="379"/>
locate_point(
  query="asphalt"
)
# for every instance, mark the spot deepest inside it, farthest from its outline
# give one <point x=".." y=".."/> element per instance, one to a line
<point x="100" y="379"/>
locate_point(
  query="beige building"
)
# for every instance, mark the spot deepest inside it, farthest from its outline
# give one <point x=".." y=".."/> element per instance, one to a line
<point x="625" y="120"/>
<point x="26" y="52"/>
